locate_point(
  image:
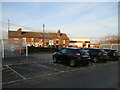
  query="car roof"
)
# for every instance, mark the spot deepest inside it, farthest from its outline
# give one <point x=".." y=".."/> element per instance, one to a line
<point x="109" y="49"/>
<point x="70" y="48"/>
<point x="91" y="48"/>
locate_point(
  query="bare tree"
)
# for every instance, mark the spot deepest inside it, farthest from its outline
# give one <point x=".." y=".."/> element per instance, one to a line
<point x="109" y="39"/>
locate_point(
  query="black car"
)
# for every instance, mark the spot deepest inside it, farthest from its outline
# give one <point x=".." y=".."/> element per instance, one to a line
<point x="97" y="55"/>
<point x="112" y="54"/>
<point x="71" y="56"/>
<point x="118" y="55"/>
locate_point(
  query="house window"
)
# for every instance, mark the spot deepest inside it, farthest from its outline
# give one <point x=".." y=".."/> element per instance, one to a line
<point x="63" y="41"/>
<point x="73" y="41"/>
<point x="87" y="41"/>
<point x="24" y="39"/>
<point x="32" y="39"/>
<point x="40" y="40"/>
<point x="51" y="42"/>
<point x="56" y="41"/>
<point x="84" y="44"/>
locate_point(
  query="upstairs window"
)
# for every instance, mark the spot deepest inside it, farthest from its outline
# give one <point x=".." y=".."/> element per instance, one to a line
<point x="56" y="41"/>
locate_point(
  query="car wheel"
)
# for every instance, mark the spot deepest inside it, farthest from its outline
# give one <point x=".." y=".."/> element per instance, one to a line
<point x="118" y="59"/>
<point x="55" y="59"/>
<point x="95" y="60"/>
<point x="72" y="63"/>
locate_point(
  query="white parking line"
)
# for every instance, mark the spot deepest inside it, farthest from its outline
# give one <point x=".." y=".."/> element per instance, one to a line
<point x="42" y="75"/>
<point x="15" y="72"/>
<point x="42" y="60"/>
<point x="48" y="67"/>
<point x="13" y="81"/>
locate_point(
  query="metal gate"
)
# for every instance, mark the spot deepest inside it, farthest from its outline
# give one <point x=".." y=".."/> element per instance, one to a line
<point x="13" y="48"/>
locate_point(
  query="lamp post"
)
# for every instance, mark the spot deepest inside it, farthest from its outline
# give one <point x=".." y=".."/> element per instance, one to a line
<point x="8" y="24"/>
<point x="43" y="35"/>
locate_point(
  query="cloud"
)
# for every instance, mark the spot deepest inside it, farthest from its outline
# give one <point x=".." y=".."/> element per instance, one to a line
<point x="106" y="26"/>
<point x="76" y="19"/>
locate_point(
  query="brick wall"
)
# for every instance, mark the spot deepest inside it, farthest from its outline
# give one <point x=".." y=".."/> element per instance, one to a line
<point x="36" y="39"/>
<point x="67" y="42"/>
<point x="60" y="42"/>
<point x="28" y="40"/>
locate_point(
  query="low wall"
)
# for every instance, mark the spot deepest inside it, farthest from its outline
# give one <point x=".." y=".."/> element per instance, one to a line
<point x="41" y="50"/>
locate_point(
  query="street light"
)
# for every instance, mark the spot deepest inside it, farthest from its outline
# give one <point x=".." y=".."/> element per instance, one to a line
<point x="43" y="35"/>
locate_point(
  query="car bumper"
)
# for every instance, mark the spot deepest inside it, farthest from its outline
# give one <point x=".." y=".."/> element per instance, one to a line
<point x="113" y="58"/>
<point x="103" y="58"/>
<point x="83" y="60"/>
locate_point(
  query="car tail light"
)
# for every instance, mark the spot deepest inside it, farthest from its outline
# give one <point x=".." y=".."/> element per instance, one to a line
<point x="99" y="53"/>
<point x="16" y="51"/>
<point x="114" y="53"/>
<point x="78" y="54"/>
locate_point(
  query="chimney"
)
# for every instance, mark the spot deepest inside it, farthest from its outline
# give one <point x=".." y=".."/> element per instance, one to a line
<point x="58" y="33"/>
<point x="19" y="31"/>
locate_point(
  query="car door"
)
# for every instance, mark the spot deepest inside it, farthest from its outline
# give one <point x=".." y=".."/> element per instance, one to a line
<point x="92" y="53"/>
<point x="62" y="55"/>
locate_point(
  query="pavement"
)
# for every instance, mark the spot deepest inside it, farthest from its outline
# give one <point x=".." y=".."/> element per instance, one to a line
<point x="38" y="71"/>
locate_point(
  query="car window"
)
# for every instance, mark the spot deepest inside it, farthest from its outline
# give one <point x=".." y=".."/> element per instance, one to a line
<point x="63" y="50"/>
<point x="113" y="50"/>
<point x="93" y="51"/>
<point x="70" y="51"/>
<point x="83" y="51"/>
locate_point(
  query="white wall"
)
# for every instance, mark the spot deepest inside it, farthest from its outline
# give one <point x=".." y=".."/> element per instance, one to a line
<point x="78" y="44"/>
<point x="79" y="39"/>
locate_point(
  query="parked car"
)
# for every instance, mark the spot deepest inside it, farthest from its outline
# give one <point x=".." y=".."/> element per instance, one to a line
<point x="112" y="53"/>
<point x="118" y="55"/>
<point x="97" y="55"/>
<point x="71" y="56"/>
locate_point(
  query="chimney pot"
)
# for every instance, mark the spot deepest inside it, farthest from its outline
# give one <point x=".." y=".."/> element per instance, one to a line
<point x="19" y="31"/>
<point x="58" y="33"/>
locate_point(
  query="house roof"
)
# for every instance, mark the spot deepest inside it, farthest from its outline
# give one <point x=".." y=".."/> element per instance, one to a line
<point x="37" y="35"/>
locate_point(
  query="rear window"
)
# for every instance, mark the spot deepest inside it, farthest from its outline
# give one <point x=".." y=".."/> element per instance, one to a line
<point x="71" y="51"/>
<point x="82" y="51"/>
<point x="113" y="50"/>
<point x="102" y="50"/>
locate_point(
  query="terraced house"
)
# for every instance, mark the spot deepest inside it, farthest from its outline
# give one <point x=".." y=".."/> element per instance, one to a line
<point x="38" y="39"/>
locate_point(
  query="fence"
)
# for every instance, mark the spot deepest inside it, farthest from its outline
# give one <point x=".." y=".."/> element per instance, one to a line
<point x="13" y="48"/>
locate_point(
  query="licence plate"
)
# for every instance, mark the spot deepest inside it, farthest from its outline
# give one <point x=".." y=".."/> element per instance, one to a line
<point x="85" y="56"/>
<point x="104" y="54"/>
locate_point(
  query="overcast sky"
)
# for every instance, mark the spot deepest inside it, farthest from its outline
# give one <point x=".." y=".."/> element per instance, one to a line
<point x="77" y="19"/>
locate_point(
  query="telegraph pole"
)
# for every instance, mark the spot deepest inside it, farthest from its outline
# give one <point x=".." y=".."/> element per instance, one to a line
<point x="8" y="24"/>
<point x="43" y="34"/>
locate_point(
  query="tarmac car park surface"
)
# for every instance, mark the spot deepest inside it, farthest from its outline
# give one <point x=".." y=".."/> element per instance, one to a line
<point x="38" y="71"/>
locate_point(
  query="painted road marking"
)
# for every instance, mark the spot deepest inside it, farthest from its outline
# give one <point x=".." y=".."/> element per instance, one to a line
<point x="91" y="67"/>
<point x="47" y="67"/>
<point x="15" y="72"/>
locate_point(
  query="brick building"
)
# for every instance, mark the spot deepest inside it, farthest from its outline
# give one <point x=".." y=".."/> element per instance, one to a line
<point x="36" y="38"/>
